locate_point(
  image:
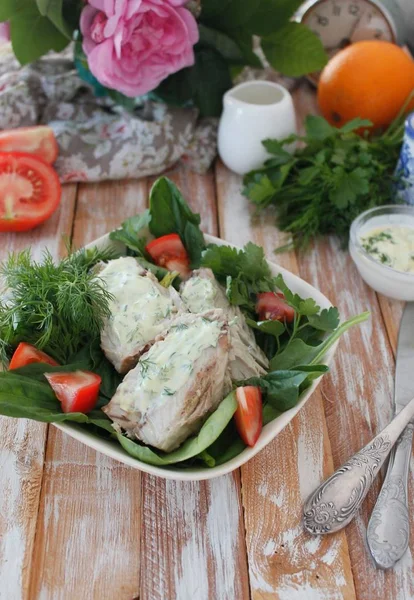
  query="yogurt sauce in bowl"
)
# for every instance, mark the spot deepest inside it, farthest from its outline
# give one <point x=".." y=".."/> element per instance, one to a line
<point x="381" y="245"/>
<point x="391" y="245"/>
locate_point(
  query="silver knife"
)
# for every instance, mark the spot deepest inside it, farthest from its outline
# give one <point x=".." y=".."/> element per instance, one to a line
<point x="388" y="530"/>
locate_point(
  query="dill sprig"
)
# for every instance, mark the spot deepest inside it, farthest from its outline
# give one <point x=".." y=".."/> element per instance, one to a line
<point x="58" y="307"/>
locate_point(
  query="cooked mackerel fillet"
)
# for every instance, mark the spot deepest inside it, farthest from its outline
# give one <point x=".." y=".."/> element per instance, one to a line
<point x="141" y="309"/>
<point x="202" y="292"/>
<point x="176" y="384"/>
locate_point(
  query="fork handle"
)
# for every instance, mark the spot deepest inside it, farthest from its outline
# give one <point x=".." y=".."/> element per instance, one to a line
<point x="335" y="503"/>
<point x="388" y="531"/>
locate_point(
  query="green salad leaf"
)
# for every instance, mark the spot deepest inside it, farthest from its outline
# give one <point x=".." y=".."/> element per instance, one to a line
<point x="171" y="214"/>
<point x="168" y="213"/>
<point x="192" y="447"/>
<point x="282" y="388"/>
<point x="26" y="397"/>
<point x="244" y="272"/>
<point x="134" y="233"/>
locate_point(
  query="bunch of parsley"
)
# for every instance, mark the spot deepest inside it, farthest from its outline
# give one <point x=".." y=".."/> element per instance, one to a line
<point x="326" y="183"/>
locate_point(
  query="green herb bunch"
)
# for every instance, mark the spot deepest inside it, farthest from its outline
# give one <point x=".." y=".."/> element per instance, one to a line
<point x="322" y="187"/>
<point x="59" y="307"/>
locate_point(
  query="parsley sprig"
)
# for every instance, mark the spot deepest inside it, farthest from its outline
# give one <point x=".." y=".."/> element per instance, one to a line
<point x="326" y="183"/>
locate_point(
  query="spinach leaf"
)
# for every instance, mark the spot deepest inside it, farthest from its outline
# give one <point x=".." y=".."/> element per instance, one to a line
<point x="282" y="388"/>
<point x="269" y="413"/>
<point x="297" y="352"/>
<point x="171" y="214"/>
<point x="92" y="358"/>
<point x="194" y="446"/>
<point x="26" y="397"/>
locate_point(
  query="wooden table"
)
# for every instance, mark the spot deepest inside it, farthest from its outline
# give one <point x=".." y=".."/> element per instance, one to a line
<point x="76" y="525"/>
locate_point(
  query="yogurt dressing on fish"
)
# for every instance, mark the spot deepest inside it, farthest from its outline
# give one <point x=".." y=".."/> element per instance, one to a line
<point x="168" y="364"/>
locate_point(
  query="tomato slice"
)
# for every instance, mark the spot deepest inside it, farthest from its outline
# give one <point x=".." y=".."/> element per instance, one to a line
<point x="272" y="307"/>
<point x="168" y="251"/>
<point x="77" y="391"/>
<point x="39" y="140"/>
<point x="25" y="354"/>
<point x="248" y="416"/>
<point x="29" y="191"/>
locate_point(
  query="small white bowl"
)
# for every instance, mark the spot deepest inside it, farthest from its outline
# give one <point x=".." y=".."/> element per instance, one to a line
<point x="382" y="278"/>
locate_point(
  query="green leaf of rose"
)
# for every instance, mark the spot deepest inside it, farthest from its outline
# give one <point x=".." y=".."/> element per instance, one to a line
<point x="53" y="10"/>
<point x="294" y="50"/>
<point x="32" y="34"/>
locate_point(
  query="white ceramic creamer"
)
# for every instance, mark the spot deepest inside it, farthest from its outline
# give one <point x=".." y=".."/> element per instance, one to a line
<point x="253" y="111"/>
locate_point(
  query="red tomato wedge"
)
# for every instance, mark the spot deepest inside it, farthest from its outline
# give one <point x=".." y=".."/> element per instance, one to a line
<point x="272" y="307"/>
<point x="168" y="251"/>
<point x="29" y="191"/>
<point x="39" y="141"/>
<point x="25" y="354"/>
<point x="77" y="391"/>
<point x="248" y="416"/>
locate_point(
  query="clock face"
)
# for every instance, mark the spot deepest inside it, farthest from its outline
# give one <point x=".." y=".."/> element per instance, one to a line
<point x="339" y="23"/>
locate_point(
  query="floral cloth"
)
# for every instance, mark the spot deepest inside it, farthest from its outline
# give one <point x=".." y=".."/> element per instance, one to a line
<point x="98" y="139"/>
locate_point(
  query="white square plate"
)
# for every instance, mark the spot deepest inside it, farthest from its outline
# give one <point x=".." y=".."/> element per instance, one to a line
<point x="269" y="432"/>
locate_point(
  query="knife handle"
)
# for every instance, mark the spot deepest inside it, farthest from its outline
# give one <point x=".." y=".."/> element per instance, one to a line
<point x="388" y="530"/>
<point x="335" y="503"/>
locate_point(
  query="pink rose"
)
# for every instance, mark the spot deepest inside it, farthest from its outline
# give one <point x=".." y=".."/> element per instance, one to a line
<point x="5" y="32"/>
<point x="132" y="45"/>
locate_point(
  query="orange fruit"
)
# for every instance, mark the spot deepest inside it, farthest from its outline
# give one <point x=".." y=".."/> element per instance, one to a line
<point x="369" y="79"/>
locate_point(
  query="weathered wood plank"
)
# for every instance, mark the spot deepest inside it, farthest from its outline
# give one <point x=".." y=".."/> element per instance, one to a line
<point x="284" y="562"/>
<point x="358" y="402"/>
<point x="88" y="536"/>
<point x="392" y="311"/>
<point x="192" y="533"/>
<point x="22" y="443"/>
<point x="362" y="386"/>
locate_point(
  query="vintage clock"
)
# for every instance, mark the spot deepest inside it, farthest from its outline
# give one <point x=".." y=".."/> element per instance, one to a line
<point x="339" y="23"/>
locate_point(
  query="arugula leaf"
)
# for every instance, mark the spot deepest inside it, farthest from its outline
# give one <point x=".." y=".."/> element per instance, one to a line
<point x="133" y="233"/>
<point x="192" y="447"/>
<point x="171" y="214"/>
